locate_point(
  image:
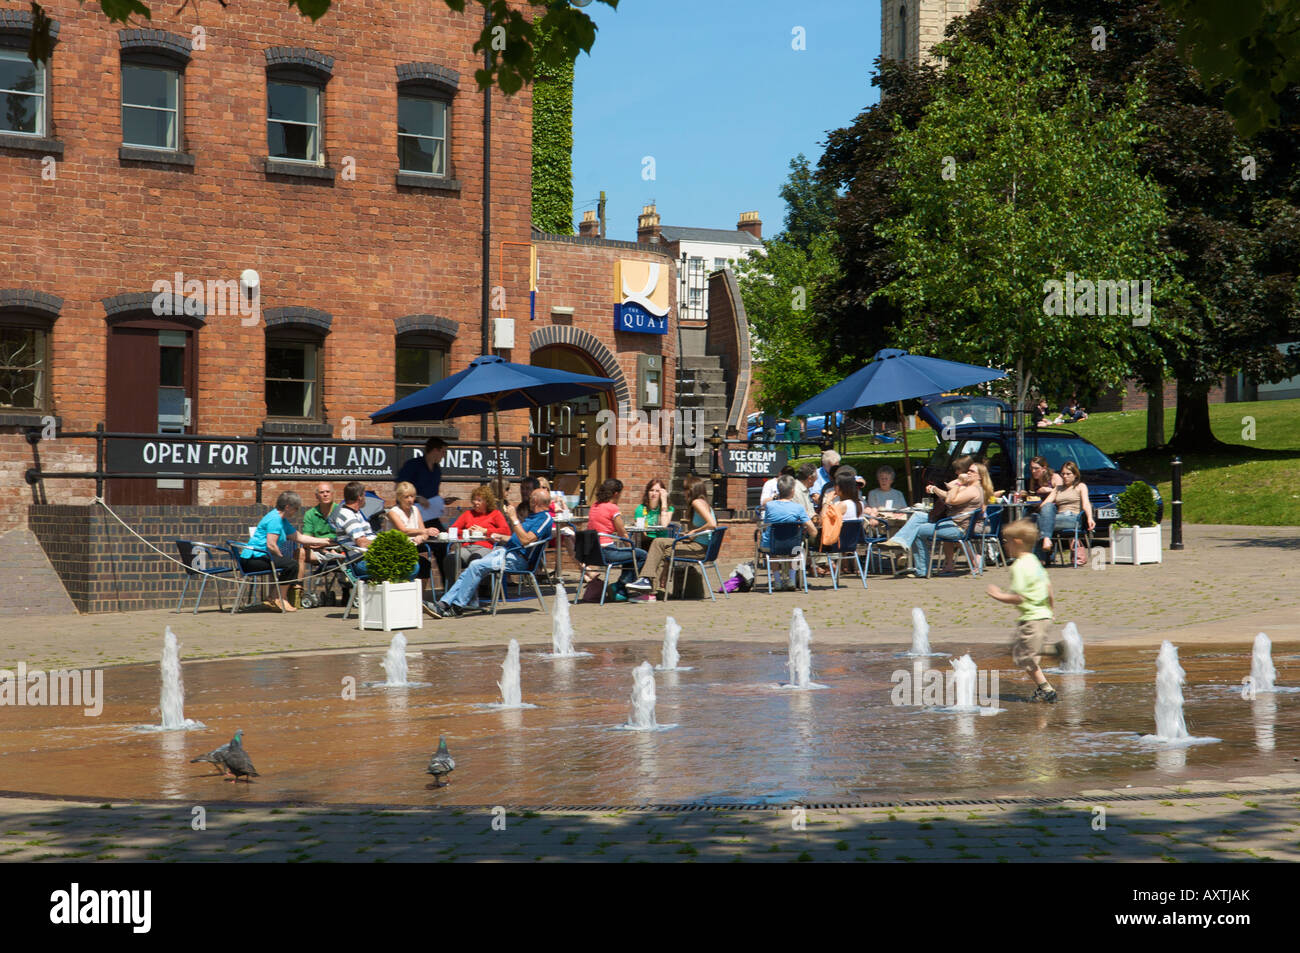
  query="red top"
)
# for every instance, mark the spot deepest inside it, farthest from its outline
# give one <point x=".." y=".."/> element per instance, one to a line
<point x="601" y="519"/>
<point x="490" y="522"/>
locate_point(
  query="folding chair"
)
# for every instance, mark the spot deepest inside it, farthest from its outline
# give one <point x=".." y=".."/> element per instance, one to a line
<point x="709" y="559"/>
<point x="875" y="531"/>
<point x="847" y="546"/>
<point x="586" y="546"/>
<point x="785" y="545"/>
<point x="1072" y="536"/>
<point x="989" y="536"/>
<point x="248" y="581"/>
<point x="188" y="549"/>
<point x="535" y="551"/>
<point x="965" y="542"/>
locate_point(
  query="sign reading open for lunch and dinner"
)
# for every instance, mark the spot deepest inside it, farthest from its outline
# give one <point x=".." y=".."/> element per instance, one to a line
<point x="640" y="297"/>
<point x="176" y="456"/>
<point x="742" y="461"/>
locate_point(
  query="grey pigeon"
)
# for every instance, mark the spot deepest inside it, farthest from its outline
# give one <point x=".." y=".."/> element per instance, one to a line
<point x="237" y="760"/>
<point x="218" y="757"/>
<point x="442" y="763"/>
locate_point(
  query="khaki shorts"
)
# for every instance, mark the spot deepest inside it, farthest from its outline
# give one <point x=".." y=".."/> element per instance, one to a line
<point x="1027" y="647"/>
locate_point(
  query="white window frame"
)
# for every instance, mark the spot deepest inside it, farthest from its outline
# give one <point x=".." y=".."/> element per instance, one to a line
<point x="42" y="110"/>
<point x="179" y="78"/>
<point x="444" y="139"/>
<point x="318" y="125"/>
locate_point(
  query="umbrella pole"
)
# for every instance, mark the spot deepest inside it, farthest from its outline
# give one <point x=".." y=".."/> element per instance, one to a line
<point x="496" y="438"/>
<point x="907" y="457"/>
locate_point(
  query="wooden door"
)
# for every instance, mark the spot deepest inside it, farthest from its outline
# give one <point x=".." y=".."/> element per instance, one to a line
<point x="151" y="377"/>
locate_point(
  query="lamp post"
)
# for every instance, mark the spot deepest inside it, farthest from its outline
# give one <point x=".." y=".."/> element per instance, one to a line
<point x="715" y="471"/>
<point x="582" y="463"/>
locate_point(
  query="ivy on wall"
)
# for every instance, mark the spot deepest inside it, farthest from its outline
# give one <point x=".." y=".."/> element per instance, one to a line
<point x="553" y="150"/>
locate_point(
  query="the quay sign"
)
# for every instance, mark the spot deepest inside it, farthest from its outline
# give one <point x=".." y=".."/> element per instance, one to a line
<point x="173" y="457"/>
<point x="640" y="297"/>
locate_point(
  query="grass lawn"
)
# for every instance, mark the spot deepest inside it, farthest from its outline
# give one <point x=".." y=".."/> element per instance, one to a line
<point x="1253" y="483"/>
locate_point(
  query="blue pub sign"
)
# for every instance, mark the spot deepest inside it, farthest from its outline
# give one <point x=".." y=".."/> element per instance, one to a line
<point x="631" y="316"/>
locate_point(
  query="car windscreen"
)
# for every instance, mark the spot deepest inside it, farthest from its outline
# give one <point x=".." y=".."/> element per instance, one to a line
<point x="1059" y="449"/>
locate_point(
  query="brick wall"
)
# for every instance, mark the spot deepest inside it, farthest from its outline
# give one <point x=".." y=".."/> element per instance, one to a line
<point x="578" y="273"/>
<point x="365" y="250"/>
<point x="105" y="568"/>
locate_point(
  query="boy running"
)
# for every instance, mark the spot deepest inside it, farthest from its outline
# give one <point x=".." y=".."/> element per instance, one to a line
<point x="1032" y="592"/>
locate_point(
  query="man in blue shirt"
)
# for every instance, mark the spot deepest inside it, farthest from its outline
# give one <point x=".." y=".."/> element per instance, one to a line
<point x="830" y="460"/>
<point x="785" y="509"/>
<point x="509" y="554"/>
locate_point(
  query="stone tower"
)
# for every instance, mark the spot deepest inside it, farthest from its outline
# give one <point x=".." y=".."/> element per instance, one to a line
<point x="908" y="28"/>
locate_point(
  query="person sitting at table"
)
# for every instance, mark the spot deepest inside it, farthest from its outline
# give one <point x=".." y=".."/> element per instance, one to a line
<point x="769" y="492"/>
<point x="1072" y="503"/>
<point x="526" y="487"/>
<point x="474" y="527"/>
<point x="607" y="520"/>
<point x="264" y="550"/>
<point x="884" y="496"/>
<point x="405" y="518"/>
<point x="785" y="509"/>
<point x="830" y="460"/>
<point x="964" y="501"/>
<point x="694" y="544"/>
<point x="654" y="510"/>
<point x="846" y="498"/>
<point x="804" y="480"/>
<point x="902" y="541"/>
<point x="508" y="553"/>
<point x="1043" y="484"/>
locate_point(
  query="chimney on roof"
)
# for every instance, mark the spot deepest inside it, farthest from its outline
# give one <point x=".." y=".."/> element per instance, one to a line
<point x="750" y="222"/>
<point x="647" y="225"/>
<point x="589" y="227"/>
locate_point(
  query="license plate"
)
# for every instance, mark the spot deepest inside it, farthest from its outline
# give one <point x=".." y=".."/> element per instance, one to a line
<point x="1108" y="513"/>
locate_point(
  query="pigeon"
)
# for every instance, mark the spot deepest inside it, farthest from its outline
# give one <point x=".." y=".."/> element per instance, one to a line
<point x="237" y="760"/>
<point x="441" y="763"/>
<point x="218" y="757"/>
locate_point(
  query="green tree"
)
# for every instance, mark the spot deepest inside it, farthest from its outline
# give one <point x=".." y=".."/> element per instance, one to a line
<point x="1251" y="48"/>
<point x="779" y="292"/>
<point x="1015" y="178"/>
<point x="520" y="46"/>
<point x="809" y="204"/>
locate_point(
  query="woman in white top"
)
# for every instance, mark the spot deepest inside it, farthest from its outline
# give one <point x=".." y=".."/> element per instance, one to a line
<point x="405" y="518"/>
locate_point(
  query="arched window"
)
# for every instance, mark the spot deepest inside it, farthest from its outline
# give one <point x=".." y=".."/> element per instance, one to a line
<point x="26" y="319"/>
<point x="295" y="351"/>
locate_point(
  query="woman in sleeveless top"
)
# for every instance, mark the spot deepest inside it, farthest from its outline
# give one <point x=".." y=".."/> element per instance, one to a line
<point x="964" y="501"/>
<point x="695" y="543"/>
<point x="1073" y="508"/>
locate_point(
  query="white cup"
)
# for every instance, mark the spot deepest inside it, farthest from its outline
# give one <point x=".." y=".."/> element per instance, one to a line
<point x="453" y="534"/>
<point x="889" y="505"/>
<point x="640" y="522"/>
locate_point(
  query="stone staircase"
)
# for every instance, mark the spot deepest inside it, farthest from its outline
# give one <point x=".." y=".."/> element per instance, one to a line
<point x="702" y="390"/>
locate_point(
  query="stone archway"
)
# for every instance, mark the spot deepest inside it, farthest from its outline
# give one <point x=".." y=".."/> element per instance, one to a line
<point x="587" y="342"/>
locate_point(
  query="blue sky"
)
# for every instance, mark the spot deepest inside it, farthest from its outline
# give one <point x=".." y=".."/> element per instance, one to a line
<point x="713" y="90"/>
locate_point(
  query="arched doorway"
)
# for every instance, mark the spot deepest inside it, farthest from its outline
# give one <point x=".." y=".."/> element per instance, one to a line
<point x="568" y="417"/>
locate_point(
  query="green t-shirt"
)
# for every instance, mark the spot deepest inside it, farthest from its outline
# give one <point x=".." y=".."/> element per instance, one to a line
<point x="313" y="524"/>
<point x="1029" y="581"/>
<point x="651" y="518"/>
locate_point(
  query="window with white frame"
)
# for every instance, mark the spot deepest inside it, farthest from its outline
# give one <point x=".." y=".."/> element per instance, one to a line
<point x="22" y="93"/>
<point x="422" y="134"/>
<point x="151" y="107"/>
<point x="293" y="121"/>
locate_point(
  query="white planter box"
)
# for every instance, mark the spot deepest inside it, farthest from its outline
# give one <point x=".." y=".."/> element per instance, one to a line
<point x="392" y="605"/>
<point x="1135" y="544"/>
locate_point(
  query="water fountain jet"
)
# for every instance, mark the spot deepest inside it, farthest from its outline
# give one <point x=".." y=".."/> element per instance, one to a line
<point x="1171" y="726"/>
<point x="172" y="702"/>
<point x="670" y="657"/>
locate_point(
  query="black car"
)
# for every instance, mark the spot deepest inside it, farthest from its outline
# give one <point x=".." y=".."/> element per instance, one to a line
<point x="982" y="426"/>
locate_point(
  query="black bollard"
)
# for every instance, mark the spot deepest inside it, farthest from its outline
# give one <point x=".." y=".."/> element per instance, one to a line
<point x="1176" y="504"/>
<point x="715" y="472"/>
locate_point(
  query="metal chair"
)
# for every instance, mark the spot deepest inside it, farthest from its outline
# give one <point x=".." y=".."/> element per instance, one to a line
<point x="965" y="542"/>
<point x="989" y="534"/>
<point x="590" y="553"/>
<point x="785" y="545"/>
<point x="249" y="580"/>
<point x="874" y="532"/>
<point x="1072" y="536"/>
<point x="709" y="559"/>
<point x="851" y="533"/>
<point x="188" y="550"/>
<point x="535" y="551"/>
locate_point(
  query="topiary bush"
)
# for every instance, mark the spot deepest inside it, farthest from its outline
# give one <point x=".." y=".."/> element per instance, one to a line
<point x="1136" y="506"/>
<point x="391" y="557"/>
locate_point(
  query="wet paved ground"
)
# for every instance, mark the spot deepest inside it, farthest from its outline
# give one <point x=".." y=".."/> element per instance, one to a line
<point x="1251" y="819"/>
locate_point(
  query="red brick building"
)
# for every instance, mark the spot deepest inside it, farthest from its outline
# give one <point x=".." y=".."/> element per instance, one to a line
<point x="340" y="161"/>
